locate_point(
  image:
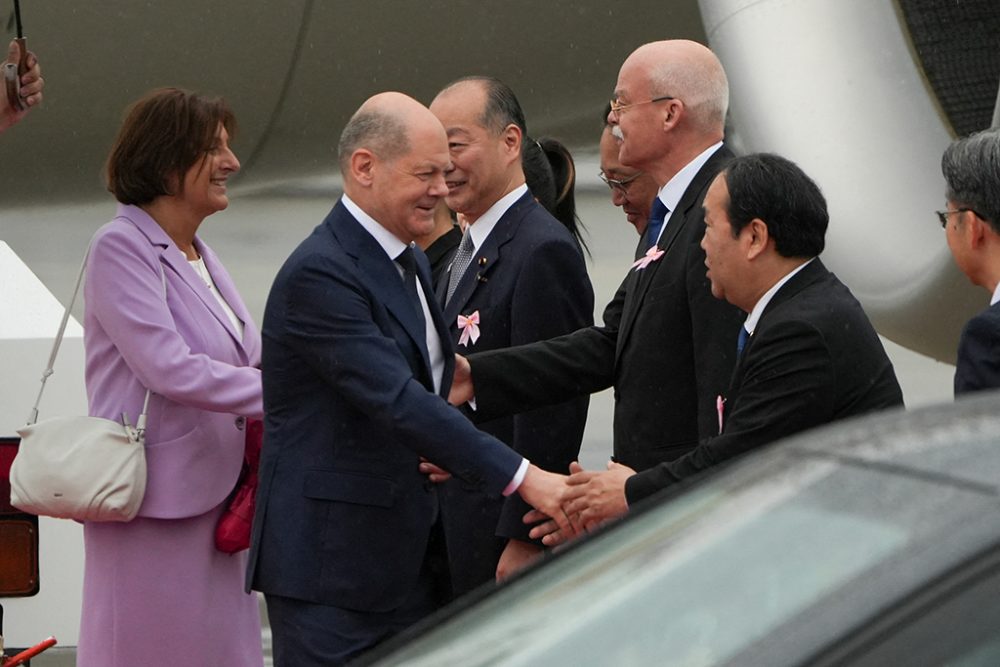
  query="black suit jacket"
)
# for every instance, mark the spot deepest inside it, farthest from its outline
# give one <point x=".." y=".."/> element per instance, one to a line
<point x="667" y="347"/>
<point x="978" y="365"/>
<point x="343" y="514"/>
<point x="528" y="281"/>
<point x="813" y="358"/>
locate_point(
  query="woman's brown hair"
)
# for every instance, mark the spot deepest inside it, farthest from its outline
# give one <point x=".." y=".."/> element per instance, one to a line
<point x="164" y="133"/>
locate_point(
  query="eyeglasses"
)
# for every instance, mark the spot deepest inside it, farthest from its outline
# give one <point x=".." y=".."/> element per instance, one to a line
<point x="617" y="107"/>
<point x="619" y="184"/>
<point x="943" y="215"/>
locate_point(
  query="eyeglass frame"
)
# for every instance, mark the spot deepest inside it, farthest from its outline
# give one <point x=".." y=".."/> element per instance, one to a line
<point x="943" y="215"/>
<point x="617" y="107"/>
<point x="620" y="184"/>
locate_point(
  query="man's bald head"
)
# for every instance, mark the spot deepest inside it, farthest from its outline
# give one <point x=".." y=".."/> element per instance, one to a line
<point x="393" y="156"/>
<point x="690" y="72"/>
<point x="381" y="125"/>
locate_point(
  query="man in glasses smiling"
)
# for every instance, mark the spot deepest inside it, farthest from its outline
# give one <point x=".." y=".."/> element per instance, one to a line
<point x="971" y="168"/>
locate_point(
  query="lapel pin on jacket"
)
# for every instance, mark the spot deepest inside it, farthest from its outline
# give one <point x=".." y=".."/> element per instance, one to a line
<point x="652" y="255"/>
<point x="470" y="328"/>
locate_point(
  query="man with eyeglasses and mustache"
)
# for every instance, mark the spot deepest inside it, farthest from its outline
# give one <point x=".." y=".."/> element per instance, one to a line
<point x="631" y="189"/>
<point x="970" y="220"/>
<point x="667" y="346"/>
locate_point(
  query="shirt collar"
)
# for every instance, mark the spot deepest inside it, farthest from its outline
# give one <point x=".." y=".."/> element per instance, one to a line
<point x="671" y="193"/>
<point x="390" y="244"/>
<point x="481" y="228"/>
<point x="996" y="295"/>
<point x="758" y="309"/>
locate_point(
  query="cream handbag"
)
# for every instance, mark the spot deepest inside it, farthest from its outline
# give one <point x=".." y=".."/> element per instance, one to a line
<point x="83" y="468"/>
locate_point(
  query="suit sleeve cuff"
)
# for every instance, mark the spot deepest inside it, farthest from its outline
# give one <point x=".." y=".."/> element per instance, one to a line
<point x="515" y="483"/>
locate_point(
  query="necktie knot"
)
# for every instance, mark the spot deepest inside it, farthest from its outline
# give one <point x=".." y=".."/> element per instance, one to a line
<point x="742" y="340"/>
<point x="407" y="260"/>
<point x="463" y="257"/>
<point x="657" y="214"/>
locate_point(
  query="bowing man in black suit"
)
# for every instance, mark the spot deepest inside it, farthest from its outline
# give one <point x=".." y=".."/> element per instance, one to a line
<point x="807" y="353"/>
<point x="971" y="168"/>
<point x="666" y="344"/>
<point x="356" y="362"/>
<point x="523" y="279"/>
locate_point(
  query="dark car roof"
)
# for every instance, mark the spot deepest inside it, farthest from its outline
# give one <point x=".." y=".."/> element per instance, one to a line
<point x="886" y="503"/>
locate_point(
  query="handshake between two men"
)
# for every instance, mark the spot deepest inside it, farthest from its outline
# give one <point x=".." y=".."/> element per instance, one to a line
<point x="565" y="505"/>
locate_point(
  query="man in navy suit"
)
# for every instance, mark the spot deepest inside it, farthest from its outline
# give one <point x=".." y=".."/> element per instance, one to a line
<point x="523" y="279"/>
<point x="971" y="168"/>
<point x="356" y="360"/>
<point x="807" y="353"/>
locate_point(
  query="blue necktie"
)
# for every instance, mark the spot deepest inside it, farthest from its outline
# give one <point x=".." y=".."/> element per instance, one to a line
<point x="657" y="214"/>
<point x="741" y="341"/>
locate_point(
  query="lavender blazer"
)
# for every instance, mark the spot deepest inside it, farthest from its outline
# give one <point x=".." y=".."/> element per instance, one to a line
<point x="203" y="377"/>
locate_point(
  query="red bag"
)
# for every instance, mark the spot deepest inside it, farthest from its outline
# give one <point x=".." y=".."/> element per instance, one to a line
<point x="232" y="534"/>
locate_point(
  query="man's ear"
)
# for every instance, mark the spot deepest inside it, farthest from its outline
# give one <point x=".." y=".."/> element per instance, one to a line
<point x="977" y="230"/>
<point x="673" y="110"/>
<point x="363" y="166"/>
<point x="512" y="138"/>
<point x="756" y="237"/>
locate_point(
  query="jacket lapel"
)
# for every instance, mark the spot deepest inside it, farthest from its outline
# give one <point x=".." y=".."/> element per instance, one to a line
<point x="486" y="258"/>
<point x="807" y="276"/>
<point x="384" y="279"/>
<point x="640" y="279"/>
<point x="173" y="259"/>
<point x="440" y="324"/>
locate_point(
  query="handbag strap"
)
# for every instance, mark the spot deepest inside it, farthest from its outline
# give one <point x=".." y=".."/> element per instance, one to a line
<point x="33" y="415"/>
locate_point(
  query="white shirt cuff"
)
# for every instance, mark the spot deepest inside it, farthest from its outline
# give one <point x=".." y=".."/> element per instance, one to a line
<point x="515" y="483"/>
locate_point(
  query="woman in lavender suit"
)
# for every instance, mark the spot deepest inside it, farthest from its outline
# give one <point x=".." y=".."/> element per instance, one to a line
<point x="162" y="313"/>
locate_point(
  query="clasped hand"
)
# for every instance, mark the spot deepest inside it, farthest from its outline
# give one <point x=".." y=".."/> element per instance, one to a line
<point x="591" y="499"/>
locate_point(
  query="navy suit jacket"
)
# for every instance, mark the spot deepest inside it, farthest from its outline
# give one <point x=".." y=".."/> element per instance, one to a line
<point x="343" y="514"/>
<point x="813" y="358"/>
<point x="666" y="346"/>
<point x="978" y="365"/>
<point x="528" y="281"/>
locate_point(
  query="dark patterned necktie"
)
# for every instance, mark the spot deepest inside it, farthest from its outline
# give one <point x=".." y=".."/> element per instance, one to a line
<point x="463" y="257"/>
<point x="408" y="261"/>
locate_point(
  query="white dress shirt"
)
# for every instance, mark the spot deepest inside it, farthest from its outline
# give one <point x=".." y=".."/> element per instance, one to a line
<point x="671" y="193"/>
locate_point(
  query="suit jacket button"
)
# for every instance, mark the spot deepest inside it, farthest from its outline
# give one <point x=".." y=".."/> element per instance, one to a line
<point x="241" y="422"/>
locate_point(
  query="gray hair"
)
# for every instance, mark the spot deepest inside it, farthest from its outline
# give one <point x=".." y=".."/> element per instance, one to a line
<point x="382" y="133"/>
<point x="971" y="168"/>
<point x="701" y="85"/>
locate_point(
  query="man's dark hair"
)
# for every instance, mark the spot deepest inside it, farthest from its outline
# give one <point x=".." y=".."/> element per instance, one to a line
<point x="164" y="134"/>
<point x="502" y="108"/>
<point x="769" y="187"/>
<point x="971" y="168"/>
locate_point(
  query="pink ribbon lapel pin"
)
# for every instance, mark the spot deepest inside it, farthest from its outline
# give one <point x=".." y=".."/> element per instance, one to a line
<point x="470" y="328"/>
<point x="654" y="253"/>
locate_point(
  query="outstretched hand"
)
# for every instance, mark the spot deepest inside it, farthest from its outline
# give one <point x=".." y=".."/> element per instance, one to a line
<point x="592" y="498"/>
<point x="545" y="492"/>
<point x="462" y="390"/>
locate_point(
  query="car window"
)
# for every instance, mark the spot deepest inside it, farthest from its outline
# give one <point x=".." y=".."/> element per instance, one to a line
<point x="954" y="624"/>
<point x="700" y="591"/>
